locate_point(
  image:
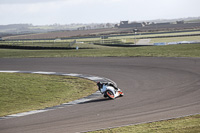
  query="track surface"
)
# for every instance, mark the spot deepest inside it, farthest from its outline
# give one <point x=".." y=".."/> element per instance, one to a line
<point x="155" y="89"/>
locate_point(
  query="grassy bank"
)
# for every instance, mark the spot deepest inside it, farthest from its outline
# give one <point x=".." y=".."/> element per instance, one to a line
<point x="25" y="92"/>
<point x="190" y="124"/>
<point x="182" y="50"/>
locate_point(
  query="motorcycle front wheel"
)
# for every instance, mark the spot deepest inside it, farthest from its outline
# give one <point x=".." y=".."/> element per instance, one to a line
<point x="121" y="94"/>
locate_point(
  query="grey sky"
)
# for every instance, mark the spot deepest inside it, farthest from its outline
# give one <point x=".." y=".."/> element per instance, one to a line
<point x="25" y="1"/>
<point x="94" y="11"/>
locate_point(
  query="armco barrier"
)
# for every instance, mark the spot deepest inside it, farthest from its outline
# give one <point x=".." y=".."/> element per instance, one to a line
<point x="121" y="45"/>
<point x="38" y="47"/>
<point x="161" y="43"/>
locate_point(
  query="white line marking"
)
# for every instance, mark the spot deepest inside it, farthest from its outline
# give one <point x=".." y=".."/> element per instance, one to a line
<point x="27" y="113"/>
<point x="72" y="74"/>
<point x="9" y="71"/>
<point x="94" y="78"/>
<point x="40" y="72"/>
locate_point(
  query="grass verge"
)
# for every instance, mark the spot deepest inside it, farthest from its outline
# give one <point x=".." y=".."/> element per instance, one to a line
<point x="26" y="92"/>
<point x="190" y="124"/>
<point x="182" y="50"/>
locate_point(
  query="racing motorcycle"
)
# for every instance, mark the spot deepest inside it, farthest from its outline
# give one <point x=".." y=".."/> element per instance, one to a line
<point x="109" y="90"/>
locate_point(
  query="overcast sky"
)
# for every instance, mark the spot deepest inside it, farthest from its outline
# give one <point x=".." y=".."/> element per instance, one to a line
<point x="41" y="12"/>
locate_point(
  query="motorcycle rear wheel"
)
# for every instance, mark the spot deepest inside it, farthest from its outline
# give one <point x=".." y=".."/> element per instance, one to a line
<point x="110" y="94"/>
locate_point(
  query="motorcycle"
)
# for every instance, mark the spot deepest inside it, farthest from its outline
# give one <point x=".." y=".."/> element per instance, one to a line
<point x="109" y="90"/>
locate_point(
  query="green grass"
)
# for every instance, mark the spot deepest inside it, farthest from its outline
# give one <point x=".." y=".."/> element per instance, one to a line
<point x="182" y="50"/>
<point x="26" y="92"/>
<point x="190" y="124"/>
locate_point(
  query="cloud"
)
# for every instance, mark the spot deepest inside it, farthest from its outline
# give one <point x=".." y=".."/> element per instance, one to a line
<point x="47" y="1"/>
<point x="91" y="11"/>
<point x="27" y="1"/>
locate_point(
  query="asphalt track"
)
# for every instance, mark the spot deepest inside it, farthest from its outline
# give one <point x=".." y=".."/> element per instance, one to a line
<point x="155" y="89"/>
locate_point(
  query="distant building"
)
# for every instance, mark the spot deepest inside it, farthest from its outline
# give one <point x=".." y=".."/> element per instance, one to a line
<point x="146" y="23"/>
<point x="116" y="25"/>
<point x="124" y="22"/>
<point x="180" y="22"/>
<point x="127" y="24"/>
<point x="81" y="28"/>
<point x="109" y="25"/>
<point x="166" y="23"/>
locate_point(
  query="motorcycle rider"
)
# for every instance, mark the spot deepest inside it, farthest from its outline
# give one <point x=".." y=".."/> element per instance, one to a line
<point x="100" y="85"/>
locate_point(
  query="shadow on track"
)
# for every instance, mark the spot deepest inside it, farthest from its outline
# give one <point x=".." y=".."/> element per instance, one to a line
<point x="96" y="101"/>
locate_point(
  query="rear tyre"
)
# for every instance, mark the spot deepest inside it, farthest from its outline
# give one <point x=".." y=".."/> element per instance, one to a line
<point x="105" y="95"/>
<point x="110" y="94"/>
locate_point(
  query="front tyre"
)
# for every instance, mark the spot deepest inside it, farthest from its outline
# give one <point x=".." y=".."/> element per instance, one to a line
<point x="110" y="94"/>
